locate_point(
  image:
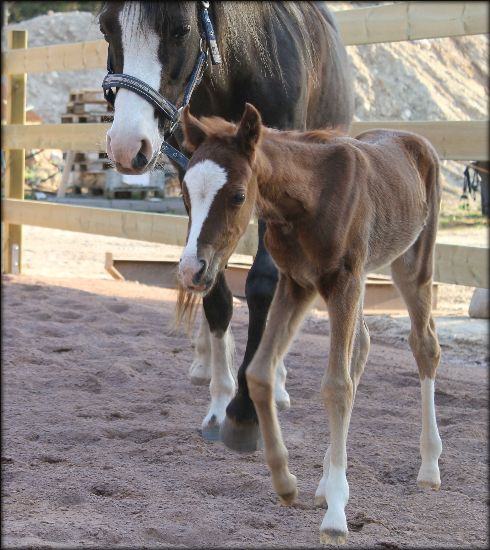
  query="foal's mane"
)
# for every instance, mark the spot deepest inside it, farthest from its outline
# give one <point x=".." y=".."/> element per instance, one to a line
<point x="219" y="127"/>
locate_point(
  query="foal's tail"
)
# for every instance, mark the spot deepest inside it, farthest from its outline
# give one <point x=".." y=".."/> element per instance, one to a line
<point x="186" y="309"/>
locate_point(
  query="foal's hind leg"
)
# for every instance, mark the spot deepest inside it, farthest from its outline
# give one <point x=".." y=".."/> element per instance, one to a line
<point x="360" y="351"/>
<point x="412" y="274"/>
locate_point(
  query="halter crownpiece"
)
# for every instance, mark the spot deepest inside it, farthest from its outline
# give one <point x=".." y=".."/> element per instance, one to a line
<point x="170" y="111"/>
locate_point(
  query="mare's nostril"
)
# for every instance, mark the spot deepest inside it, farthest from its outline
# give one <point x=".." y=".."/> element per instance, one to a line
<point x="197" y="277"/>
<point x="139" y="161"/>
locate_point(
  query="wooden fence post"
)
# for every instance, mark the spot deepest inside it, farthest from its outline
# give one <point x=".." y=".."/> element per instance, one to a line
<point x="15" y="160"/>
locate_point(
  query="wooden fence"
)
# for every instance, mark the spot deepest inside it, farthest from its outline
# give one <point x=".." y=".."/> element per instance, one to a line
<point x="455" y="140"/>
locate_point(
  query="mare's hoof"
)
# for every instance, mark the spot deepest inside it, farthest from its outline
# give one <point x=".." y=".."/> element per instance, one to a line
<point x="333" y="536"/>
<point x="243" y="438"/>
<point x="211" y="430"/>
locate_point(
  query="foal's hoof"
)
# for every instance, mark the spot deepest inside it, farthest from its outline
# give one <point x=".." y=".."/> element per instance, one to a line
<point x="428" y="484"/>
<point x="283" y="404"/>
<point x="243" y="438"/>
<point x="199" y="381"/>
<point x="429" y="478"/>
<point x="333" y="536"/>
<point x="211" y="429"/>
<point x="320" y="501"/>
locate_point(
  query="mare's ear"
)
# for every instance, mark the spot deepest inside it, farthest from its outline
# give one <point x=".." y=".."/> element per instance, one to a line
<point x="194" y="131"/>
<point x="249" y="129"/>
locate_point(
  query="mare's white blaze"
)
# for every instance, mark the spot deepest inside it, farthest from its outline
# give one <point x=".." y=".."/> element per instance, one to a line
<point x="203" y="181"/>
<point x="430" y="441"/>
<point x="222" y="387"/>
<point x="337" y="495"/>
<point x="134" y="117"/>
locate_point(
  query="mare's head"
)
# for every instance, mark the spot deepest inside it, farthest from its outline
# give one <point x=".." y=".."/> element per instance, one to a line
<point x="157" y="42"/>
<point x="219" y="190"/>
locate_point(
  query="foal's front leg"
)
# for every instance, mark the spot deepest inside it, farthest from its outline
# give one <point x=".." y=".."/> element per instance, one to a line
<point x="218" y="306"/>
<point x="338" y="391"/>
<point x="287" y="310"/>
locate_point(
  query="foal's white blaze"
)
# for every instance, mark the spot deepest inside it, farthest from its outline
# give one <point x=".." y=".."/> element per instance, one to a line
<point x="430" y="441"/>
<point x="134" y="118"/>
<point x="203" y="181"/>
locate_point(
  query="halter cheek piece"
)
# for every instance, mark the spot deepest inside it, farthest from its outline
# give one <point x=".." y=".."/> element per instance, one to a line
<point x="163" y="105"/>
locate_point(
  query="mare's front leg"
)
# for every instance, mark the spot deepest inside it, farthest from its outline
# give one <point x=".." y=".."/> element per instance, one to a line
<point x="288" y="309"/>
<point x="218" y="309"/>
<point x="337" y="391"/>
<point x="240" y="430"/>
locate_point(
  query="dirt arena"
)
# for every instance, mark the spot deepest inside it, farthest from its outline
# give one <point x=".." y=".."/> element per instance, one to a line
<point x="101" y="443"/>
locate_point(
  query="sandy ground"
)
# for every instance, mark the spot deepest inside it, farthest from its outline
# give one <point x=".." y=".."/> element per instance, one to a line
<point x="101" y="446"/>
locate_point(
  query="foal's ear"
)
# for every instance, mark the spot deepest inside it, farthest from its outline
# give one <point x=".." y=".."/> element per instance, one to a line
<point x="194" y="131"/>
<point x="249" y="129"/>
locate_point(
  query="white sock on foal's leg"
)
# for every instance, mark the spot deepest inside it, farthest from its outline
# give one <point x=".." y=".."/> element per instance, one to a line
<point x="281" y="396"/>
<point x="333" y="529"/>
<point x="321" y="491"/>
<point x="430" y="441"/>
<point x="222" y="387"/>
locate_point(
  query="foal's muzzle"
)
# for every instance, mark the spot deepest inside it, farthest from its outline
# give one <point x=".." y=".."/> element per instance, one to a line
<point x="194" y="274"/>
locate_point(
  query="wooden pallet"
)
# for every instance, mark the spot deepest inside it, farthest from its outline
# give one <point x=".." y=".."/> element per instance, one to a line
<point x="85" y="108"/>
<point x="92" y="166"/>
<point x="92" y="95"/>
<point x="71" y="118"/>
<point x="134" y="192"/>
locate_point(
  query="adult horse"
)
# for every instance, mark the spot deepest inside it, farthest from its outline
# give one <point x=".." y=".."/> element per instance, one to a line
<point x="284" y="57"/>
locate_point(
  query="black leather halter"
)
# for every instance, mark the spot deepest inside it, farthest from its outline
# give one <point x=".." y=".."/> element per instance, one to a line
<point x="170" y="111"/>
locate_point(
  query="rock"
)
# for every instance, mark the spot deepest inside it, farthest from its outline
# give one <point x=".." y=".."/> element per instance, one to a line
<point x="480" y="304"/>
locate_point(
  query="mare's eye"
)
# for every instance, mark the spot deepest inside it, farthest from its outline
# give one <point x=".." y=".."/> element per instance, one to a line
<point x="181" y="31"/>
<point x="238" y="199"/>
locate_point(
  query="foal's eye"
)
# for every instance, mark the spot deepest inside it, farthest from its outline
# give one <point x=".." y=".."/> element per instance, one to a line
<point x="181" y="31"/>
<point x="238" y="199"/>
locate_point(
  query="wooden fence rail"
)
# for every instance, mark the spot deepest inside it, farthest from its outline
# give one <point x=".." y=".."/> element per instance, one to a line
<point x="455" y="140"/>
<point x="463" y="265"/>
<point x="389" y="23"/>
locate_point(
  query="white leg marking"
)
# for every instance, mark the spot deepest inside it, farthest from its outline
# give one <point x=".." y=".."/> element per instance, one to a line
<point x="430" y="441"/>
<point x="203" y="181"/>
<point x="337" y="495"/>
<point x="200" y="370"/>
<point x="321" y="491"/>
<point x="222" y="387"/>
<point x="281" y="396"/>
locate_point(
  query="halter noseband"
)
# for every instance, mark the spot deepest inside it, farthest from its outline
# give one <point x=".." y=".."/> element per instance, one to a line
<point x="163" y="105"/>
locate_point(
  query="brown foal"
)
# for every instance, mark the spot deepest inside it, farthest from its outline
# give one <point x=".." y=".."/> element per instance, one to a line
<point x="336" y="208"/>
